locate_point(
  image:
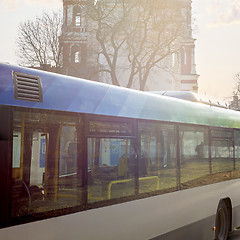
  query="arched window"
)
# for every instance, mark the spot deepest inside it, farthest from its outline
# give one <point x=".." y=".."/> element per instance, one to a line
<point x="77" y="16"/>
<point x="78" y="20"/>
<point x="75" y="54"/>
<point x="77" y="57"/>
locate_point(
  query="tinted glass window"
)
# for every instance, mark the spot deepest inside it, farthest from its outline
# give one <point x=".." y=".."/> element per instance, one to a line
<point x="46" y="165"/>
<point x="111" y="168"/>
<point x="157" y="161"/>
<point x="194" y="157"/>
<point x="237" y="148"/>
<point x="222" y="150"/>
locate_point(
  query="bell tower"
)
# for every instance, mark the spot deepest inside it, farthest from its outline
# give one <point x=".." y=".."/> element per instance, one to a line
<point x="74" y="37"/>
<point x="188" y="75"/>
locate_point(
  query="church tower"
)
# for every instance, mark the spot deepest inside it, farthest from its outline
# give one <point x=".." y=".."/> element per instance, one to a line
<point x="74" y="37"/>
<point x="181" y="74"/>
<point x="188" y="76"/>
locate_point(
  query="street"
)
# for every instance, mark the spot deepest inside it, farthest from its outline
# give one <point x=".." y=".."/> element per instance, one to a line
<point x="235" y="235"/>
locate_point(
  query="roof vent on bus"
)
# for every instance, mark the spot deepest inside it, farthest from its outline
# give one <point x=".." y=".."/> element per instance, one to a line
<point x="27" y="87"/>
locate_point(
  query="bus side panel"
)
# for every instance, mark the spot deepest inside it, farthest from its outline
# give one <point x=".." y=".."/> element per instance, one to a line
<point x="189" y="213"/>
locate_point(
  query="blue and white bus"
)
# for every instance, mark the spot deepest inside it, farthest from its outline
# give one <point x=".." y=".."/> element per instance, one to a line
<point x="86" y="160"/>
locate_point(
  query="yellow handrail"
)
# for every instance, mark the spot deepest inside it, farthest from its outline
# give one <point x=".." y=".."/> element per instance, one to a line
<point x="128" y="180"/>
<point x="152" y="177"/>
<point x="115" y="182"/>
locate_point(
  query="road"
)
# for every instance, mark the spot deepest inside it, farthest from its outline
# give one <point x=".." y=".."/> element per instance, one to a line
<point x="235" y="235"/>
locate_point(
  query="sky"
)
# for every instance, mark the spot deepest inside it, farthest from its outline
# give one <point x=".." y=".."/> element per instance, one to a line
<point x="216" y="29"/>
<point x="217" y="45"/>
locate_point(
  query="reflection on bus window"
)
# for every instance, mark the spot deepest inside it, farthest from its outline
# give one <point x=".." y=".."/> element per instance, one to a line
<point x="194" y="162"/>
<point x="68" y="150"/>
<point x="237" y="149"/>
<point x="157" y="164"/>
<point x="44" y="170"/>
<point x="111" y="165"/>
<point x="222" y="150"/>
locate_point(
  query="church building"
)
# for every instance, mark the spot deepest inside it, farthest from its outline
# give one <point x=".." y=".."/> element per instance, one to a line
<point x="79" y="47"/>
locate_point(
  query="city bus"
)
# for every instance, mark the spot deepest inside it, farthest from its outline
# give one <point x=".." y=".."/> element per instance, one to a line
<point x="86" y="160"/>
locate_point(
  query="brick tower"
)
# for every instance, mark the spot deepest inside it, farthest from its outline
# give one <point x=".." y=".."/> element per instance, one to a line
<point x="73" y="40"/>
<point x="188" y="75"/>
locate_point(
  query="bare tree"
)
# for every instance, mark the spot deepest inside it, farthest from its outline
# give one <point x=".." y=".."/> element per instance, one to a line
<point x="234" y="103"/>
<point x="38" y="42"/>
<point x="135" y="34"/>
<point x="236" y="90"/>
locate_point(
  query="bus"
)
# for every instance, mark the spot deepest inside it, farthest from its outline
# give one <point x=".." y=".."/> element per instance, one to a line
<point x="193" y="97"/>
<point x="86" y="160"/>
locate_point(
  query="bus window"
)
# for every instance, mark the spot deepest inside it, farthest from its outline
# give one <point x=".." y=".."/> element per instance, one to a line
<point x="237" y="148"/>
<point x="111" y="168"/>
<point x="45" y="172"/>
<point x="194" y="162"/>
<point x="157" y="164"/>
<point x="222" y="150"/>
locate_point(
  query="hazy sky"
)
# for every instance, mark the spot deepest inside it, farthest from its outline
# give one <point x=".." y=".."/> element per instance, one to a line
<point x="217" y="45"/>
<point x="217" y="34"/>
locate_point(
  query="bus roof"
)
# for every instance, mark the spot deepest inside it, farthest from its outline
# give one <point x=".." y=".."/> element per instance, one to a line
<point x="193" y="97"/>
<point x="64" y="93"/>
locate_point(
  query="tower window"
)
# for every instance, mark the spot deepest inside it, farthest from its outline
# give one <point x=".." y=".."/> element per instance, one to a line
<point x="77" y="57"/>
<point x="75" y="54"/>
<point x="78" y="20"/>
<point x="77" y="16"/>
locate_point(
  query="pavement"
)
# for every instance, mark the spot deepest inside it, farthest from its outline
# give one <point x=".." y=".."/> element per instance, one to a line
<point x="234" y="235"/>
